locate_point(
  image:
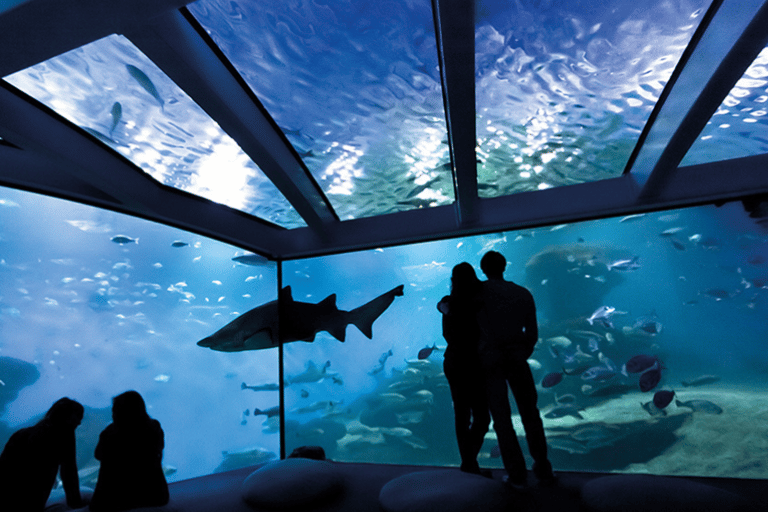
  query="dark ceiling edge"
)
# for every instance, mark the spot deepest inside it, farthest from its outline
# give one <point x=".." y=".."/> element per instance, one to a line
<point x="709" y="54"/>
<point x="177" y="48"/>
<point x="35" y="31"/>
<point x="689" y="186"/>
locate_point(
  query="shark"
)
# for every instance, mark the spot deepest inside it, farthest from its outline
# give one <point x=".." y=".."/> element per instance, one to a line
<point x="260" y="329"/>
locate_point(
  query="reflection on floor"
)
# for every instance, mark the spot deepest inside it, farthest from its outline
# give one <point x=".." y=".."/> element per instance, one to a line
<point x="364" y="482"/>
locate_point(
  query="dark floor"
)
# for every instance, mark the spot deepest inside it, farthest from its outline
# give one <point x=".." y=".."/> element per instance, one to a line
<point x="366" y="480"/>
<point x="222" y="491"/>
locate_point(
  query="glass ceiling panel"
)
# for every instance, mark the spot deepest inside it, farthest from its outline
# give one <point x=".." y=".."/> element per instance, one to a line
<point x="118" y="95"/>
<point x="355" y="86"/>
<point x="739" y="127"/>
<point x="563" y="89"/>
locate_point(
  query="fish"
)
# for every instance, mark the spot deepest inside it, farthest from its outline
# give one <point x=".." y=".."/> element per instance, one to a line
<point x="677" y="244"/>
<point x="551" y="379"/>
<point x="122" y="240"/>
<point x="632" y="218"/>
<point x="567" y="444"/>
<point x="651" y="409"/>
<point x="650" y="378"/>
<point x="117" y="114"/>
<point x="651" y="327"/>
<point x="701" y="406"/>
<point x="253" y="260"/>
<point x="625" y="264"/>
<point x="700" y="381"/>
<point x="560" y="411"/>
<point x="261" y="387"/>
<point x="663" y="398"/>
<point x="640" y="363"/>
<point x="565" y="399"/>
<point x="717" y="293"/>
<point x="671" y="231"/>
<point x="257" y="329"/>
<point x="269" y="413"/>
<point x="599" y="374"/>
<point x="426" y="352"/>
<point x="179" y="243"/>
<point x="311" y="374"/>
<point x="602" y="315"/>
<point x="304" y="393"/>
<point x="144" y="82"/>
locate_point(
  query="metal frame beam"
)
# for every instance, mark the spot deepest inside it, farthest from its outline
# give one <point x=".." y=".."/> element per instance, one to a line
<point x="58" y="158"/>
<point x="455" y="30"/>
<point x="734" y="36"/>
<point x="181" y="51"/>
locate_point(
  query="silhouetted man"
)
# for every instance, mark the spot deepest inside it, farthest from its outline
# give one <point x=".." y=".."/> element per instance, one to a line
<point x="508" y="333"/>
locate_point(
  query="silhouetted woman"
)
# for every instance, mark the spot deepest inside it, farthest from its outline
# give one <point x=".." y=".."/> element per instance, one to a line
<point x="131" y="452"/>
<point x="462" y="365"/>
<point x="33" y="455"/>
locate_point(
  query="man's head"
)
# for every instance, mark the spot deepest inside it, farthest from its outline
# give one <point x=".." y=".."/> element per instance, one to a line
<point x="493" y="265"/>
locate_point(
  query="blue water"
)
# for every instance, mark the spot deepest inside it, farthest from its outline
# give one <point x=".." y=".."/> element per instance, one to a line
<point x="93" y="318"/>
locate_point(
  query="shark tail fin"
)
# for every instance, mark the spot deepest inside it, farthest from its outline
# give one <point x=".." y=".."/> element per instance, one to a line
<point x="364" y="316"/>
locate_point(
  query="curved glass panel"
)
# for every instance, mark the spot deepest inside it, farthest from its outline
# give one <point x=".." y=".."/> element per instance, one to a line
<point x="386" y="399"/>
<point x="114" y="92"/>
<point x="94" y="303"/>
<point x="739" y="128"/>
<point x="563" y="89"/>
<point x="354" y="85"/>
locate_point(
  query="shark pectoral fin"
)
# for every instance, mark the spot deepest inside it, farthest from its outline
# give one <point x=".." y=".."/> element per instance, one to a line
<point x="339" y="331"/>
<point x="364" y="316"/>
<point x="259" y="340"/>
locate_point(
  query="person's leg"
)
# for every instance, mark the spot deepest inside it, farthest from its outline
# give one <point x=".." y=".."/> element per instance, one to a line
<point x="481" y="415"/>
<point x="498" y="403"/>
<point x="524" y="390"/>
<point x="462" y="414"/>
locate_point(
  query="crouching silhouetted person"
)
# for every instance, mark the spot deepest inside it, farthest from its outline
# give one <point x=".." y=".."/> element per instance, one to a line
<point x="131" y="452"/>
<point x="33" y="456"/>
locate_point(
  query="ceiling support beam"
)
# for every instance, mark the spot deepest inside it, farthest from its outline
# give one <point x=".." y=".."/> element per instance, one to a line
<point x="735" y="35"/>
<point x="58" y="158"/>
<point x="731" y="69"/>
<point x="37" y="30"/>
<point x="455" y="29"/>
<point x="689" y="186"/>
<point x="181" y="51"/>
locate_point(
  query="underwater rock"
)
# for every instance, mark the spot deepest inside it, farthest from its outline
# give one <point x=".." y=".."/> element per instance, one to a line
<point x="570" y="281"/>
<point x="15" y="375"/>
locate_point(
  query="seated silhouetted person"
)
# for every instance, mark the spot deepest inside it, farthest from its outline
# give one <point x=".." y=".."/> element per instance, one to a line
<point x="462" y="365"/>
<point x="131" y="452"/>
<point x="33" y="456"/>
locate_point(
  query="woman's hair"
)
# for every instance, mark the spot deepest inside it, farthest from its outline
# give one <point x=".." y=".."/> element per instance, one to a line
<point x="129" y="407"/>
<point x="61" y="410"/>
<point x="464" y="281"/>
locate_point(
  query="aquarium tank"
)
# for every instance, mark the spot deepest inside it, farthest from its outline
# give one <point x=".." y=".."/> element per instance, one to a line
<point x="655" y="324"/>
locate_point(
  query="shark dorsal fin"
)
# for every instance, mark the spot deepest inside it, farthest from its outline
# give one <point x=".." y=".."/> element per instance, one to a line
<point x="328" y="301"/>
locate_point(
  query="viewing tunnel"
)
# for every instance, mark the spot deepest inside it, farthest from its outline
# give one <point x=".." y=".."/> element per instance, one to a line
<point x="169" y="169"/>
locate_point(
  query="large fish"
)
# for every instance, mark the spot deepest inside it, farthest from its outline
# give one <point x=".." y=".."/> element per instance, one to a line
<point x="258" y="328"/>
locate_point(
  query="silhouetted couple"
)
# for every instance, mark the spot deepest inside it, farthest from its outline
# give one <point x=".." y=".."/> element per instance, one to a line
<point x="130" y="450"/>
<point x="491" y="329"/>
